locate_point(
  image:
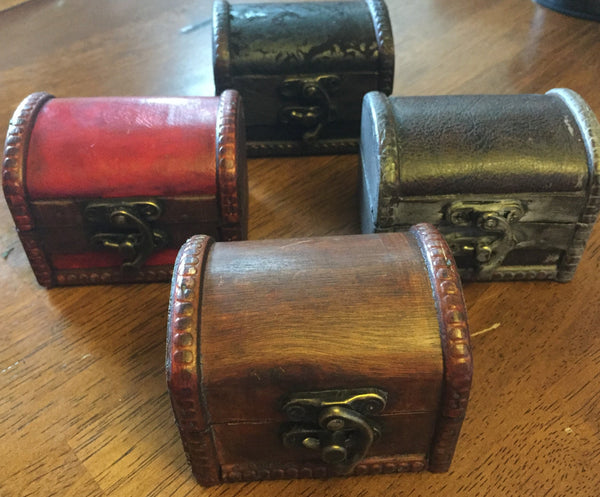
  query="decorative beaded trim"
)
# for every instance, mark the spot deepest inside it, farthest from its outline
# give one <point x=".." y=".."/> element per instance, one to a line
<point x="325" y="147"/>
<point x="220" y="40"/>
<point x="231" y="167"/>
<point x="13" y="173"/>
<point x="456" y="343"/>
<point x="510" y="273"/>
<point x="385" y="43"/>
<point x="91" y="276"/>
<point x="183" y="364"/>
<point x="371" y="466"/>
<point x="590" y="132"/>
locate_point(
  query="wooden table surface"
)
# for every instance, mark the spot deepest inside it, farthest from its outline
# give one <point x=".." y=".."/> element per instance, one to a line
<point x="84" y="408"/>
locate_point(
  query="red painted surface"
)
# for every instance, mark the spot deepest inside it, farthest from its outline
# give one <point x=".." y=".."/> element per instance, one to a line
<point x="123" y="147"/>
<point x="107" y="259"/>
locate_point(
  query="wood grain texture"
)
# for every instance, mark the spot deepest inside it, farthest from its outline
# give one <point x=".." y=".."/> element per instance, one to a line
<point x="7" y="4"/>
<point x="252" y="322"/>
<point x="84" y="408"/>
<point x="273" y="323"/>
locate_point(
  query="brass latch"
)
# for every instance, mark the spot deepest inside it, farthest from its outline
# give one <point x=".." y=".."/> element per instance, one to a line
<point x="494" y="237"/>
<point x="124" y="227"/>
<point x="336" y="423"/>
<point x="316" y="108"/>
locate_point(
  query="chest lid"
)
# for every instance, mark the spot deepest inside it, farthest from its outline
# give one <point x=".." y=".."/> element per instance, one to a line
<point x="486" y="144"/>
<point x="122" y="147"/>
<point x="158" y="155"/>
<point x="273" y="323"/>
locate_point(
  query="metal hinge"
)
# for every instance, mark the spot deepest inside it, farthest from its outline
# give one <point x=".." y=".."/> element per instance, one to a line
<point x="336" y="423"/>
<point x="125" y="227"/>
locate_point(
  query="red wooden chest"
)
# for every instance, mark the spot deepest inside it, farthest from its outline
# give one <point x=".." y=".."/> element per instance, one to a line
<point x="107" y="189"/>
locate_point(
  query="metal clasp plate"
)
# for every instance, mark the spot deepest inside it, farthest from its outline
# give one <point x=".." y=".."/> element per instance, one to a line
<point x="336" y="423"/>
<point x="494" y="237"/>
<point x="315" y="109"/>
<point x="125" y="227"/>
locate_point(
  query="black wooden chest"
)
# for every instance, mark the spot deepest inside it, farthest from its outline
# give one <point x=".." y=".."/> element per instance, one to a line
<point x="302" y="70"/>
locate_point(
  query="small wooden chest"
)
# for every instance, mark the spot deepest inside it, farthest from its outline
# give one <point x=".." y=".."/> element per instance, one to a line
<point x="318" y="357"/>
<point x="106" y="190"/>
<point x="511" y="181"/>
<point x="302" y="69"/>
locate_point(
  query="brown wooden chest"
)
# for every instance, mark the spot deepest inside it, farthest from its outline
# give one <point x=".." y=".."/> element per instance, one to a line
<point x="318" y="357"/>
<point x="107" y="189"/>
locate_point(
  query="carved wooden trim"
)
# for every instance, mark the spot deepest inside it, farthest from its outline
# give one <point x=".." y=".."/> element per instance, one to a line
<point x="372" y="466"/>
<point x="456" y="344"/>
<point x="220" y="42"/>
<point x="13" y="173"/>
<point x="183" y="362"/>
<point x="590" y="132"/>
<point x="385" y="44"/>
<point x="322" y="147"/>
<point x="232" y="180"/>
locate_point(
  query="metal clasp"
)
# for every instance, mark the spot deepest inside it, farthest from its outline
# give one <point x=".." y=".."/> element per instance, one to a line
<point x="124" y="227"/>
<point x="336" y="423"/>
<point x="495" y="219"/>
<point x="316" y="109"/>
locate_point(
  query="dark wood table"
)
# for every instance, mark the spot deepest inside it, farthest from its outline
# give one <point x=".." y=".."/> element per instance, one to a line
<point x="84" y="408"/>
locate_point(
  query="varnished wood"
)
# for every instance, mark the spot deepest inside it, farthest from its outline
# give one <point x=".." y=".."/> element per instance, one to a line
<point x="253" y="322"/>
<point x="84" y="408"/>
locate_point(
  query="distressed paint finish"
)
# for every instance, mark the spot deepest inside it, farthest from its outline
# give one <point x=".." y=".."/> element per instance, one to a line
<point x="510" y="180"/>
